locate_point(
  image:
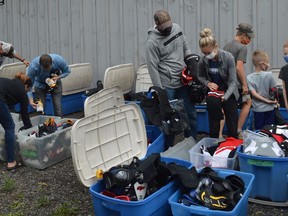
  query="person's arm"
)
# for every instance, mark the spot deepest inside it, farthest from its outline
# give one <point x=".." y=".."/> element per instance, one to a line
<point x="261" y="98"/>
<point x="282" y="76"/>
<point x="152" y="63"/>
<point x="31" y="100"/>
<point x="232" y="77"/>
<point x="63" y="66"/>
<point x="17" y="56"/>
<point x="285" y="94"/>
<point x="201" y="72"/>
<point x="24" y="110"/>
<point x="31" y="72"/>
<point x="241" y="75"/>
<point x="186" y="49"/>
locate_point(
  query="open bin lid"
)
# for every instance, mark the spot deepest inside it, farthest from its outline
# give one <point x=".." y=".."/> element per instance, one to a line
<point x="106" y="98"/>
<point x="120" y="75"/>
<point x="106" y="139"/>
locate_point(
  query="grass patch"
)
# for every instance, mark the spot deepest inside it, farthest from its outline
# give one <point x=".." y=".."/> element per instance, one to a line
<point x="8" y="185"/>
<point x="43" y="201"/>
<point x="66" y="209"/>
<point x="13" y="214"/>
<point x="16" y="204"/>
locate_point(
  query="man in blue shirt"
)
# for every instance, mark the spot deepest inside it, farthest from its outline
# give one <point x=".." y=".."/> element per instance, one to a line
<point x="44" y="70"/>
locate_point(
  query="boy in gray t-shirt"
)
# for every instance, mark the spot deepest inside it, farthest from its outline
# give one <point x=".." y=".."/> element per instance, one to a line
<point x="260" y="83"/>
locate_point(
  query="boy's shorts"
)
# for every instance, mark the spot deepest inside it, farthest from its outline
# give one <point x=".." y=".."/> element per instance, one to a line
<point x="243" y="98"/>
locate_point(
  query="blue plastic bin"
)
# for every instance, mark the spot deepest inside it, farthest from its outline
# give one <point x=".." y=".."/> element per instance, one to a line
<point x="155" y="204"/>
<point x="239" y="210"/>
<point x="284" y="113"/>
<point x="70" y="104"/>
<point x="18" y="109"/>
<point x="83" y="96"/>
<point x="271" y="176"/>
<point x="146" y="120"/>
<point x="156" y="138"/>
<point x="203" y="120"/>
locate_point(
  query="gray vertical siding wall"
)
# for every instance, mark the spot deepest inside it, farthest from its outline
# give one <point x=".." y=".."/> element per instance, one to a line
<point x="111" y="32"/>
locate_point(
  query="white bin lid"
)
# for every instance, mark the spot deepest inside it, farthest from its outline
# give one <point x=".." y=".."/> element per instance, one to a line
<point x="120" y="75"/>
<point x="106" y="98"/>
<point x="106" y="139"/>
<point x="143" y="80"/>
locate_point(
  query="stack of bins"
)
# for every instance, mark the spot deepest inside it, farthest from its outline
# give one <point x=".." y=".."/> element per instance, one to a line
<point x="110" y="138"/>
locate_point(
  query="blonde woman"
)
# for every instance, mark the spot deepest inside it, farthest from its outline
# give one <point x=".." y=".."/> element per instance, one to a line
<point x="217" y="71"/>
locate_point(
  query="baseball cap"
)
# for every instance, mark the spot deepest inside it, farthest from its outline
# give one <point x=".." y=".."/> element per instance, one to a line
<point x="247" y="29"/>
<point x="6" y="47"/>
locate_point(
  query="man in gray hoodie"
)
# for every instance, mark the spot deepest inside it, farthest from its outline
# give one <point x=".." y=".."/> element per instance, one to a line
<point x="166" y="48"/>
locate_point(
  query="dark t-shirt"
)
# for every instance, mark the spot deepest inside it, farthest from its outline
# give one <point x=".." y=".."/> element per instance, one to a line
<point x="283" y="75"/>
<point x="13" y="92"/>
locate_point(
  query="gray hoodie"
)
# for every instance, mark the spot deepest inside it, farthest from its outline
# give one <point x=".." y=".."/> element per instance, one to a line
<point x="165" y="57"/>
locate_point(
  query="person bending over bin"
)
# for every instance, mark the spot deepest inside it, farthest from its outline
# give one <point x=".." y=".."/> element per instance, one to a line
<point x="13" y="91"/>
<point x="46" y="72"/>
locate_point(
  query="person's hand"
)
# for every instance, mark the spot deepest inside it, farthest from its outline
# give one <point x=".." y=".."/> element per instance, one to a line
<point x="274" y="102"/>
<point x="27" y="63"/>
<point x="55" y="78"/>
<point x="212" y="86"/>
<point x="245" y="89"/>
<point x="34" y="105"/>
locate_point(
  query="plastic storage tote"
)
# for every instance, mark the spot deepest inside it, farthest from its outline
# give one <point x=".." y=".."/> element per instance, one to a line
<point x="45" y="151"/>
<point x="239" y="210"/>
<point x="18" y="109"/>
<point x="155" y="140"/>
<point x="199" y="160"/>
<point x="180" y="150"/>
<point x="36" y="120"/>
<point x="109" y="138"/>
<point x="271" y="176"/>
<point x="70" y="104"/>
<point x="284" y="113"/>
<point x="203" y="120"/>
<point x="155" y="204"/>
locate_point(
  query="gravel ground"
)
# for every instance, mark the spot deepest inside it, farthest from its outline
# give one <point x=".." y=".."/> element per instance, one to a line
<point x="57" y="191"/>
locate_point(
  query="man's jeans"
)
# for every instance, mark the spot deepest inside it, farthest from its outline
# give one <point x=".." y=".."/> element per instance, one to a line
<point x="56" y="95"/>
<point x="7" y="123"/>
<point x="182" y="93"/>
